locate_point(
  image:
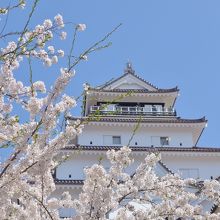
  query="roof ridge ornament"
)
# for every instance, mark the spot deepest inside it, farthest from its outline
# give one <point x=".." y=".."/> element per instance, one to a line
<point x="129" y="69"/>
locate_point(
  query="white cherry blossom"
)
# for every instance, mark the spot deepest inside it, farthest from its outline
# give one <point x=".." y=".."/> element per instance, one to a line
<point x="26" y="180"/>
<point x="81" y="27"/>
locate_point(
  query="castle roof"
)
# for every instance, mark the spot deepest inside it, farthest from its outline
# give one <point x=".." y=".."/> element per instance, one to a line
<point x="129" y="73"/>
<point x="144" y="148"/>
<point x="68" y="182"/>
<point x="137" y="119"/>
<point x="175" y="89"/>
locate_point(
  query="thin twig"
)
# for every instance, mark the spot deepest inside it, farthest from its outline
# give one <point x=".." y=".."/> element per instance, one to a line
<point x="31" y="76"/>
<point x="72" y="47"/>
<point x="42" y="204"/>
<point x="28" y="21"/>
<point x="135" y="130"/>
<point x="91" y="49"/>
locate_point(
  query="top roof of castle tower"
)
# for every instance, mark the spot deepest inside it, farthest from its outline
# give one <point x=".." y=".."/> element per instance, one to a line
<point x="130" y="77"/>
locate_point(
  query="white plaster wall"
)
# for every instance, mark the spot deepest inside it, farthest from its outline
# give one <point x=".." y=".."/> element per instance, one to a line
<point x="76" y="164"/>
<point x="208" y="165"/>
<point x="130" y="86"/>
<point x="142" y="136"/>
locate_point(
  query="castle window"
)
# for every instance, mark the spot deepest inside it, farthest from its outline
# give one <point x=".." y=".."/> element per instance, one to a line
<point x="116" y="139"/>
<point x="164" y="141"/>
<point x="111" y="140"/>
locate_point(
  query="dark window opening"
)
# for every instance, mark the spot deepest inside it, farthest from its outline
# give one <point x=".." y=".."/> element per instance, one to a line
<point x="164" y="141"/>
<point x="116" y="139"/>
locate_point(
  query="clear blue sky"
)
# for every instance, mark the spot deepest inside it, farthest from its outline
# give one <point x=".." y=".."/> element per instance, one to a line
<point x="169" y="43"/>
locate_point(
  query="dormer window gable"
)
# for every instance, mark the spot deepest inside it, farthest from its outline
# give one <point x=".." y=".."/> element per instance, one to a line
<point x="130" y="82"/>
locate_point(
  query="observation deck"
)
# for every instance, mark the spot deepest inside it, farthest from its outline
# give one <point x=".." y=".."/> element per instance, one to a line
<point x="132" y="110"/>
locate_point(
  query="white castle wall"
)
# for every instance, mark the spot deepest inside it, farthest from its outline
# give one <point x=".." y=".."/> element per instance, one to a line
<point x="130" y="86"/>
<point x="75" y="166"/>
<point x="79" y="161"/>
<point x="143" y="136"/>
<point x="206" y="165"/>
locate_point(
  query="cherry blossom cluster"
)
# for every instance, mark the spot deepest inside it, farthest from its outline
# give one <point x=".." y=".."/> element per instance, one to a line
<point x="115" y="194"/>
<point x="26" y="177"/>
<point x="26" y="180"/>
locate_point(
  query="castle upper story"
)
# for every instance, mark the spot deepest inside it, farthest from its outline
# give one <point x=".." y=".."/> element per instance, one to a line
<point x="130" y="95"/>
<point x="113" y="111"/>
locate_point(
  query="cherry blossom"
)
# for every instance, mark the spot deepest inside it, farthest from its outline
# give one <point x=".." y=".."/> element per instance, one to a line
<point x="59" y="20"/>
<point x="63" y="35"/>
<point x="81" y="27"/>
<point x="26" y="176"/>
<point x="115" y="194"/>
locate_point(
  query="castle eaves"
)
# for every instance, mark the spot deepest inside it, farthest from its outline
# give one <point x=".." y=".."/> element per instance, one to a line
<point x="144" y="148"/>
<point x="137" y="120"/>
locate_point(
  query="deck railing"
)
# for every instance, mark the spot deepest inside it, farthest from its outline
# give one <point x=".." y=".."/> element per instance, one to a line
<point x="131" y="110"/>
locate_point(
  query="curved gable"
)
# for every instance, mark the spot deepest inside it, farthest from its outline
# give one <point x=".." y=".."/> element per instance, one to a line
<point x="129" y="81"/>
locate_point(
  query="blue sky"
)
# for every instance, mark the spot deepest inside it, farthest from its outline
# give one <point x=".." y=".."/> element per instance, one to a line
<point x="168" y="42"/>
